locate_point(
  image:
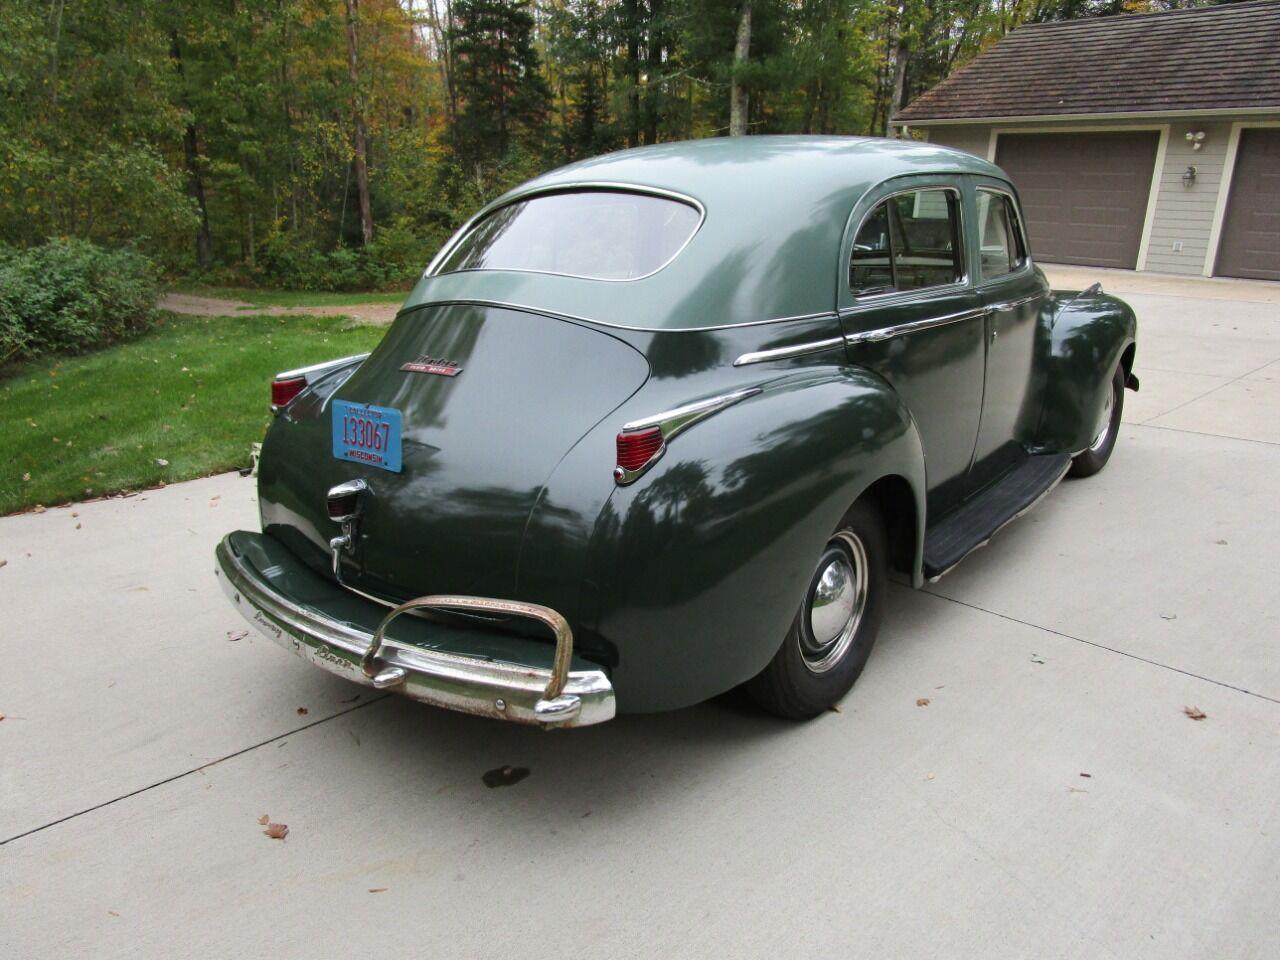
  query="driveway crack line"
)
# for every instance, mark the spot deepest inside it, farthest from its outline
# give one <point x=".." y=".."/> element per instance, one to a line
<point x="1200" y="433"/>
<point x="187" y="773"/>
<point x="1103" y="646"/>
<point x="1221" y="386"/>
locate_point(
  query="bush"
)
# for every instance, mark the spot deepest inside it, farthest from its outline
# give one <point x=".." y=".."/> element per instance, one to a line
<point x="69" y="296"/>
<point x="396" y="257"/>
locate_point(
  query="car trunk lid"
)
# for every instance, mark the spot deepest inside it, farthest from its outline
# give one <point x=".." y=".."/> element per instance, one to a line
<point x="491" y="399"/>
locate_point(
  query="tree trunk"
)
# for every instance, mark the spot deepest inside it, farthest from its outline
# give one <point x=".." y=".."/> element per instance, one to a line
<point x="191" y="157"/>
<point x="361" y="134"/>
<point x="739" y="99"/>
<point x="901" y="52"/>
<point x="653" y="65"/>
<point x="632" y="15"/>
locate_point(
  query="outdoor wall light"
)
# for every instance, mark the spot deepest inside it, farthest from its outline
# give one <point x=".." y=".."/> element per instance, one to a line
<point x="1195" y="139"/>
<point x="1189" y="177"/>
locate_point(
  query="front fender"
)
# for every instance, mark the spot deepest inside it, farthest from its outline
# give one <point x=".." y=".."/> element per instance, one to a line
<point x="1085" y="336"/>
<point x="697" y="569"/>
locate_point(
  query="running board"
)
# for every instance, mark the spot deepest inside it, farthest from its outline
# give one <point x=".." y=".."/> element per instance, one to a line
<point x="973" y="524"/>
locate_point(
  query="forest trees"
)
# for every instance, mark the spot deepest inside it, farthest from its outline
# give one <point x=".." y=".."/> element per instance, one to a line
<point x="339" y="141"/>
<point x="496" y="78"/>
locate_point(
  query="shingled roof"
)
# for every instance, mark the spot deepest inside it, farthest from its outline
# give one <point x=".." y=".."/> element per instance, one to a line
<point x="1209" y="58"/>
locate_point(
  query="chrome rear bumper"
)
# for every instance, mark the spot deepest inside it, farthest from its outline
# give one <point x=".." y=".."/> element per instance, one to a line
<point x="556" y="696"/>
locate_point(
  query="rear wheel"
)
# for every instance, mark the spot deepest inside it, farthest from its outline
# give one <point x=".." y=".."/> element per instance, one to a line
<point x="836" y="626"/>
<point x="1090" y="461"/>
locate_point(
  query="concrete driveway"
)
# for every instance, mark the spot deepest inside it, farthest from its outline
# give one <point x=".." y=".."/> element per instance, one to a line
<point x="1051" y="800"/>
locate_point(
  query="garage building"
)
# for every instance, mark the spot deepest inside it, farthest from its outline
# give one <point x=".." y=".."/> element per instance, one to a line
<point x="1146" y="141"/>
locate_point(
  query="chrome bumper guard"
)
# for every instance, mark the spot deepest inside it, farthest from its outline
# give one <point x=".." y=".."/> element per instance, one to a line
<point x="558" y="696"/>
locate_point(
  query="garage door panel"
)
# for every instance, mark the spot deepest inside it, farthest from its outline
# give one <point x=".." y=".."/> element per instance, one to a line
<point x="1084" y="195"/>
<point x="1250" y="245"/>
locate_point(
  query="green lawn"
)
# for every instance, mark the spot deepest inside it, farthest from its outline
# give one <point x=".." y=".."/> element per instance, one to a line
<point x="291" y="298"/>
<point x="194" y="393"/>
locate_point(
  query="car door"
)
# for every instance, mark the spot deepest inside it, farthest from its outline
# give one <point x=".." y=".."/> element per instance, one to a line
<point x="1013" y="292"/>
<point x="910" y="314"/>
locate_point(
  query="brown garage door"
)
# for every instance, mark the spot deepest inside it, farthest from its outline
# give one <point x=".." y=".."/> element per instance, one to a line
<point x="1084" y="195"/>
<point x="1250" y="244"/>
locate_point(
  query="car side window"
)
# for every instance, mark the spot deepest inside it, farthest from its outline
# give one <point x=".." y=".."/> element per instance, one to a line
<point x="909" y="242"/>
<point x="1000" y="240"/>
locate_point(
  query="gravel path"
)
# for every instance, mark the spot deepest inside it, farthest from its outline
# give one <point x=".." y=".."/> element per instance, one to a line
<point x="379" y="313"/>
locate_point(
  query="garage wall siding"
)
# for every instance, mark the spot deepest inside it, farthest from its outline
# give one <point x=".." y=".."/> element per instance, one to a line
<point x="1182" y="215"/>
<point x="970" y="139"/>
<point x="1185" y="214"/>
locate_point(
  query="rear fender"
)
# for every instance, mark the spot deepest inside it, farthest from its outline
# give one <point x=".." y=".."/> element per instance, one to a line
<point x="696" y="570"/>
<point x="1085" y="336"/>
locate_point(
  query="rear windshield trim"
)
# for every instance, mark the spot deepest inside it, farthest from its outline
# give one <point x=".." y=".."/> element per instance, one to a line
<point x="433" y="269"/>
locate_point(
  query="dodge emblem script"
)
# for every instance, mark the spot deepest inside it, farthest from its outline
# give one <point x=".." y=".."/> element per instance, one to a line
<point x="436" y="365"/>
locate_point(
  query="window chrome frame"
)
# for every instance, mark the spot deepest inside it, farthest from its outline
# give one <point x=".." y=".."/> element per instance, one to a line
<point x="1027" y="265"/>
<point x="586" y="186"/>
<point x="892" y="296"/>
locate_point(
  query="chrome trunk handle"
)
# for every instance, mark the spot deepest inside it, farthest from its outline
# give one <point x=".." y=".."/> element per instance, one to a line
<point x="553" y="706"/>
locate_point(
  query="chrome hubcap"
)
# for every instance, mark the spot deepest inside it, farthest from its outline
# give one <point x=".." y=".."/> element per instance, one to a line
<point x="1104" y="422"/>
<point x="836" y="601"/>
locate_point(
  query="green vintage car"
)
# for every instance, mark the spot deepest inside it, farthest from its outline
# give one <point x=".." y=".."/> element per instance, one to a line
<point x="664" y="422"/>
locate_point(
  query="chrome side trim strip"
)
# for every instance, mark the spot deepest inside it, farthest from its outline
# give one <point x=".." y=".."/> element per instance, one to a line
<point x="674" y="421"/>
<point x="916" y="326"/>
<point x="1014" y="304"/>
<point x="317" y="370"/>
<point x="560" y="315"/>
<point x="491" y="688"/>
<point x="786" y="353"/>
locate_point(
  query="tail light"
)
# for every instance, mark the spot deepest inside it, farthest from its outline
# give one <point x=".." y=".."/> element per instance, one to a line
<point x="282" y="391"/>
<point x="643" y="442"/>
<point x="636" y="450"/>
<point x="289" y="383"/>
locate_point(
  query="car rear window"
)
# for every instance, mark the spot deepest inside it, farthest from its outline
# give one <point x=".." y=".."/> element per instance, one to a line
<point x="595" y="234"/>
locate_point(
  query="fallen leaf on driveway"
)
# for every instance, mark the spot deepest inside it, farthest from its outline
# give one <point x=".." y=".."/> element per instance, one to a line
<point x="1221" y="543"/>
<point x="1195" y="713"/>
<point x="1" y="716"/>
<point x="277" y="831"/>
<point x="303" y="711"/>
<point x="38" y="508"/>
<point x="1036" y="658"/>
<point x="377" y="889"/>
<point x="504" y="776"/>
<point x="834" y="708"/>
<point x="264" y="819"/>
<point x="1168" y="616"/>
<point x="1087" y="776"/>
<point x="4" y="563"/>
<point x="922" y="701"/>
<point x="234" y="635"/>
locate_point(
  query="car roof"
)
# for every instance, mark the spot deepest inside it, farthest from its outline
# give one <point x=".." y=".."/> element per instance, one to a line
<point x="776" y="208"/>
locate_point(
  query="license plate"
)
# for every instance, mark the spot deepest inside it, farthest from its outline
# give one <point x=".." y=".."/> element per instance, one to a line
<point x="366" y="434"/>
